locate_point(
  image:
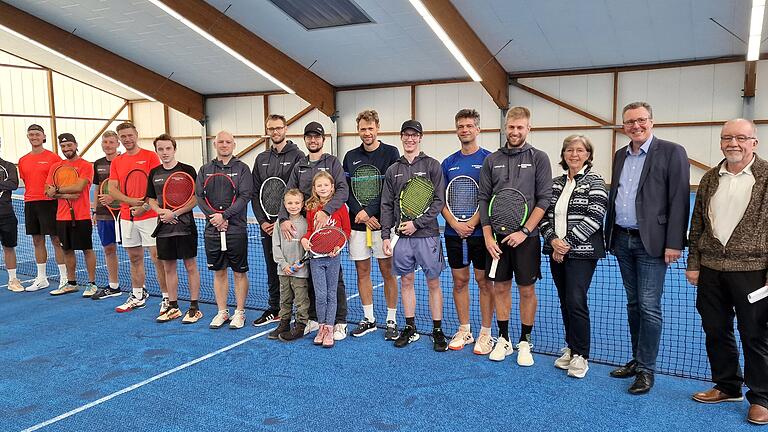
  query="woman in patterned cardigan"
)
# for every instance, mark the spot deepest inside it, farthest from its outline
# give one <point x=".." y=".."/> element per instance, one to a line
<point x="573" y="237"/>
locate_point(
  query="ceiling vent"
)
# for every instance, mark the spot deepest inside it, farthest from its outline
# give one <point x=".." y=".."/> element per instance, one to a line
<point x="319" y="14"/>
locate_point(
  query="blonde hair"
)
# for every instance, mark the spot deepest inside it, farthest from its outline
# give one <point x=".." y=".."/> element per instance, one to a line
<point x="518" y="112"/>
<point x="293" y="192"/>
<point x="315" y="201"/>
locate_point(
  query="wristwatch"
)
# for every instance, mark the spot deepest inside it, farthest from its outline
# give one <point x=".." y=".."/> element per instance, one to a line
<point x="146" y="207"/>
<point x="525" y="231"/>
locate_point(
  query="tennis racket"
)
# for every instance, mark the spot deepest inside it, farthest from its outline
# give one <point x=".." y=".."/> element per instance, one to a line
<point x="135" y="186"/>
<point x="462" y="201"/>
<point x="508" y="211"/>
<point x="65" y="175"/>
<point x="220" y="193"/>
<point x="114" y="210"/>
<point x="271" y="196"/>
<point x="366" y="188"/>
<point x="3" y="177"/>
<point x="415" y="198"/>
<point x="178" y="190"/>
<point x="322" y="243"/>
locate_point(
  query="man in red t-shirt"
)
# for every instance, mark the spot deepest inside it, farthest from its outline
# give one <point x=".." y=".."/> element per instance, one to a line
<point x="73" y="215"/>
<point x="136" y="231"/>
<point x="40" y="210"/>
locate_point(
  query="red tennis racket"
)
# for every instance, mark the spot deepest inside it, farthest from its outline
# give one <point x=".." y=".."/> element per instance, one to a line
<point x="65" y="175"/>
<point x="135" y="186"/>
<point x="220" y="193"/>
<point x="322" y="242"/>
<point x="178" y="190"/>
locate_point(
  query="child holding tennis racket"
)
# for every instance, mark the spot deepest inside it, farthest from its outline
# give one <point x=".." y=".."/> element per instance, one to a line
<point x="325" y="268"/>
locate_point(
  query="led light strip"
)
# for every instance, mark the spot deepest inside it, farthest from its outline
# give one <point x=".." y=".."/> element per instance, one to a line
<point x="755" y="30"/>
<point x="438" y="30"/>
<point x="75" y="62"/>
<point x="221" y="45"/>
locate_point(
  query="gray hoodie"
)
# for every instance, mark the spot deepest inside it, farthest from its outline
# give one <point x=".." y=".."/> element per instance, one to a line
<point x="237" y="214"/>
<point x="526" y="169"/>
<point x="302" y="175"/>
<point x="271" y="163"/>
<point x="287" y="252"/>
<point x="395" y="179"/>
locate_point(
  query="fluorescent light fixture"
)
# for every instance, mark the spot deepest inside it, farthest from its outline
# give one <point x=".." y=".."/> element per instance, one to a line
<point x="755" y="30"/>
<point x="433" y="24"/>
<point x="75" y="62"/>
<point x="221" y="45"/>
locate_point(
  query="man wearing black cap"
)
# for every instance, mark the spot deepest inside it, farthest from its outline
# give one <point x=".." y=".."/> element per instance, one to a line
<point x="73" y="216"/>
<point x="39" y="209"/>
<point x="419" y="242"/>
<point x="301" y="178"/>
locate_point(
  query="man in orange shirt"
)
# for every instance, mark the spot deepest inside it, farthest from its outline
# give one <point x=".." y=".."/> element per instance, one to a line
<point x="136" y="232"/>
<point x="40" y="210"/>
<point x="73" y="226"/>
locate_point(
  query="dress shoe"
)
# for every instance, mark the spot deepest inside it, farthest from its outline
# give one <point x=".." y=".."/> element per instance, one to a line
<point x="713" y="396"/>
<point x="643" y="383"/>
<point x="758" y="414"/>
<point x="626" y="371"/>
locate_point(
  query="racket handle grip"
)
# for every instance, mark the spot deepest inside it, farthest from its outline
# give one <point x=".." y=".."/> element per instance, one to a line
<point x="393" y="242"/>
<point x="492" y="272"/>
<point x="464" y="252"/>
<point x="223" y="235"/>
<point x="368" y="237"/>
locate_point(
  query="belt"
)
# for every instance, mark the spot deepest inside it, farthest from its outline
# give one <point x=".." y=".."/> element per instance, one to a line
<point x="630" y="231"/>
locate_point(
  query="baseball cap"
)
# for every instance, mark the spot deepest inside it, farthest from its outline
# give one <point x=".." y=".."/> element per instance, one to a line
<point x="411" y="124"/>
<point x="314" y="128"/>
<point x="67" y="137"/>
<point x="36" y="127"/>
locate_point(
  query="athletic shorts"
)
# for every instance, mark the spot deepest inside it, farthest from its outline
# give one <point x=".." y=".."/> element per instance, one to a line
<point x="524" y="262"/>
<point x="235" y="257"/>
<point x="475" y="252"/>
<point x="177" y="247"/>
<point x="40" y="217"/>
<point x="77" y="237"/>
<point x="358" y="246"/>
<point x="106" y="229"/>
<point x="424" y="252"/>
<point x="138" y="233"/>
<point x="9" y="231"/>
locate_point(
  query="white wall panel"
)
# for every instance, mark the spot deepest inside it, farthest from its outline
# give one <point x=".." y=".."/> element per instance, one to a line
<point x="551" y="142"/>
<point x="13" y="132"/>
<point x="437" y="105"/>
<point x="75" y="99"/>
<point x="729" y="82"/>
<point x="6" y="58"/>
<point x="393" y="105"/>
<point x="591" y="93"/>
<point x="182" y="125"/>
<point x="149" y="119"/>
<point x="23" y="91"/>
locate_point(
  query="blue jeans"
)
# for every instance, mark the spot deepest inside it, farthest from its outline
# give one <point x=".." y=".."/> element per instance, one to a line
<point x="325" y="278"/>
<point x="643" y="277"/>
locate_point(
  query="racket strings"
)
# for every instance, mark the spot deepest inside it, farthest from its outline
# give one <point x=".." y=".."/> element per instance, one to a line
<point x="65" y="176"/>
<point x="136" y="184"/>
<point x="219" y="192"/>
<point x="366" y="184"/>
<point x="326" y="240"/>
<point x="104" y="190"/>
<point x="508" y="211"/>
<point x="178" y="189"/>
<point x="462" y="198"/>
<point x="416" y="197"/>
<point x="272" y="191"/>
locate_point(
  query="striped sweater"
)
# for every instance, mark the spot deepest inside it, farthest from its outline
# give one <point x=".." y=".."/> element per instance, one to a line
<point x="586" y="211"/>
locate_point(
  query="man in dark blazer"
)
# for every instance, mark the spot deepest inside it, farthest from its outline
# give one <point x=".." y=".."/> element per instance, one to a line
<point x="645" y="229"/>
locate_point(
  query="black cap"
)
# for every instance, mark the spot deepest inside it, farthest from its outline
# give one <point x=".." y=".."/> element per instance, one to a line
<point x="36" y="127"/>
<point x="67" y="137"/>
<point x="411" y="124"/>
<point x="314" y="128"/>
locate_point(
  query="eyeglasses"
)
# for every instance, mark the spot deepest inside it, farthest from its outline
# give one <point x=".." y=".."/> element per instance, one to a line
<point x="410" y="135"/>
<point x="640" y="121"/>
<point x="741" y="139"/>
<point x="275" y="129"/>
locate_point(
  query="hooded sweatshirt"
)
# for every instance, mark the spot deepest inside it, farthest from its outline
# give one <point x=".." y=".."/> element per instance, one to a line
<point x="302" y="175"/>
<point x="237" y="214"/>
<point x="272" y="163"/>
<point x="395" y="179"/>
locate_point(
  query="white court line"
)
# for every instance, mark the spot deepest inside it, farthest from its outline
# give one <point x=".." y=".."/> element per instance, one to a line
<point x="22" y="281"/>
<point x="150" y="380"/>
<point x="143" y="383"/>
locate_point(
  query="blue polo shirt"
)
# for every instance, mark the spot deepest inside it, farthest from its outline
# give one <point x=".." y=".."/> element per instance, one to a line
<point x="629" y="181"/>
<point x="469" y="165"/>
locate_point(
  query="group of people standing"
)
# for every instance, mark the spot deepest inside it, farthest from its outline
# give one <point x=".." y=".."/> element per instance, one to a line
<point x="642" y="218"/>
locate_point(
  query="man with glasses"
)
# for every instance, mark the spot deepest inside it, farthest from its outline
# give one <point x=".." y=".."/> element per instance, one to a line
<point x="727" y="261"/>
<point x="646" y="230"/>
<point x="277" y="160"/>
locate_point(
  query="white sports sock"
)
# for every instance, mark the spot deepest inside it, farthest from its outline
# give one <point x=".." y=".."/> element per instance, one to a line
<point x="114" y="285"/>
<point x="62" y="271"/>
<point x="368" y="312"/>
<point x="392" y="314"/>
<point x="11" y="274"/>
<point x="165" y="295"/>
<point x="138" y="292"/>
<point x="41" y="271"/>
<point x="464" y="327"/>
<point x="485" y="330"/>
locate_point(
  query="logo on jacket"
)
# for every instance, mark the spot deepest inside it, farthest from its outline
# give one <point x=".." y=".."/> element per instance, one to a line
<point x="525" y="165"/>
<point x="356" y="162"/>
<point x="420" y="173"/>
<point x="499" y="166"/>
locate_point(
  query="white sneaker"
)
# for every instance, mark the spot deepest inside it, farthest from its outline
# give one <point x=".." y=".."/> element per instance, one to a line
<point x="238" y="320"/>
<point x="37" y="285"/>
<point x="133" y="303"/>
<point x="220" y="318"/>
<point x="339" y="332"/>
<point x="578" y="367"/>
<point x="312" y="326"/>
<point x="460" y="339"/>
<point x="564" y="361"/>
<point x="524" y="357"/>
<point x="501" y="350"/>
<point x="90" y="290"/>
<point x="483" y="344"/>
<point x="15" y="285"/>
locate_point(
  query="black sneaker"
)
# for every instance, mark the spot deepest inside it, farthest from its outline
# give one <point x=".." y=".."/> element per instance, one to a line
<point x="267" y="317"/>
<point x="364" y="328"/>
<point x="285" y="325"/>
<point x="106" y="292"/>
<point x="438" y="340"/>
<point x="407" y="336"/>
<point x="391" y="333"/>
